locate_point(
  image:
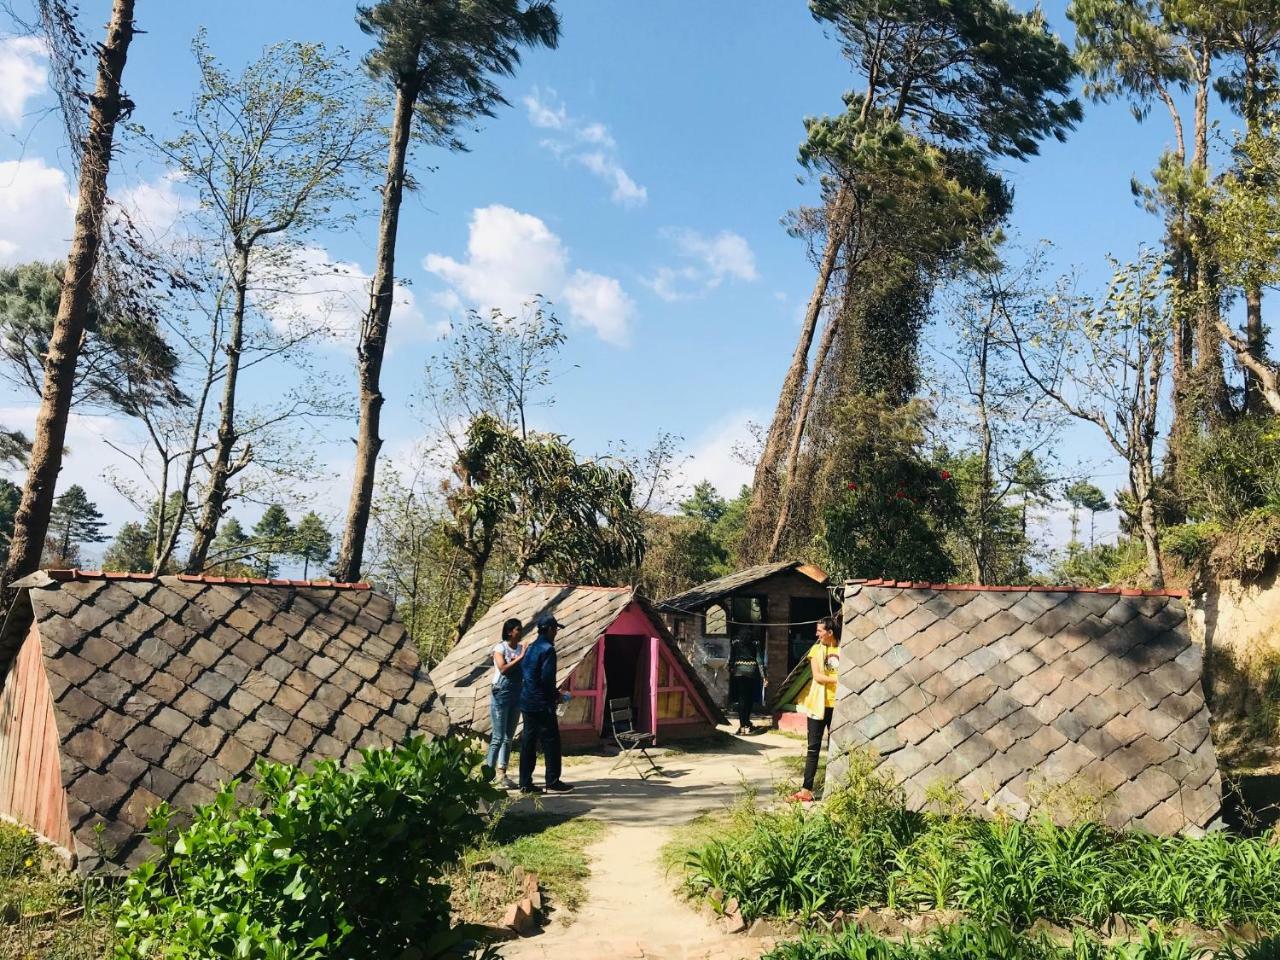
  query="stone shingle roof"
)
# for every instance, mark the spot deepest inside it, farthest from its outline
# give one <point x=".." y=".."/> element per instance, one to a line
<point x="165" y="686"/>
<point x="464" y="676"/>
<point x="1006" y="691"/>
<point x="704" y="593"/>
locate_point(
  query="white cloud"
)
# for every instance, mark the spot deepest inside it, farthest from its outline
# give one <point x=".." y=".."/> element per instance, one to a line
<point x="548" y="112"/>
<point x="316" y="289"/>
<point x="35" y="211"/>
<point x="601" y="303"/>
<point x="155" y="206"/>
<point x="513" y="256"/>
<point x="709" y="260"/>
<point x="626" y="192"/>
<point x="714" y="455"/>
<point x="23" y="75"/>
<point x="545" y="114"/>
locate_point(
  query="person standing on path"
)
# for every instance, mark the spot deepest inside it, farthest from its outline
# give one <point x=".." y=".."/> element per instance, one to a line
<point x="746" y="668"/>
<point x="539" y="696"/>
<point x="504" y="700"/>
<point x="819" y="700"/>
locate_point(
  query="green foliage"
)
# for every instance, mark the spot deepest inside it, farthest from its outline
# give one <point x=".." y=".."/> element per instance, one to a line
<point x="1105" y="563"/>
<point x="975" y="941"/>
<point x="866" y="849"/>
<point x="272" y="535"/>
<point x="10" y="497"/>
<point x="892" y="517"/>
<point x="230" y="550"/>
<point x="332" y="863"/>
<point x="124" y="361"/>
<point x="132" y="551"/>
<point x="75" y="519"/>
<point x="1232" y="470"/>
<point x="443" y="56"/>
<point x="45" y="910"/>
<point x="979" y="74"/>
<point x="563" y="518"/>
<point x="312" y="542"/>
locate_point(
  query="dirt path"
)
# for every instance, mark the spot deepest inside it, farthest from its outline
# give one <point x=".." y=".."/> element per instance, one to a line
<point x="630" y="909"/>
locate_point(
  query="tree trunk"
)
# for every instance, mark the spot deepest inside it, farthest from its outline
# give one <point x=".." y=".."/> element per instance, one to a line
<point x="31" y="521"/>
<point x="1142" y="490"/>
<point x="765" y="484"/>
<point x="220" y="474"/>
<point x="1265" y="377"/>
<point x="373" y="343"/>
<point x="1255" y="399"/>
<point x="475" y="592"/>
<point x="789" y="485"/>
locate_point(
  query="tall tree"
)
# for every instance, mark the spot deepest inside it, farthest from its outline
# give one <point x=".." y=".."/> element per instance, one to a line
<point x="1104" y="363"/>
<point x="272" y="535"/>
<point x="312" y="541"/>
<point x="75" y="519"/>
<point x="440" y="57"/>
<point x="1083" y="495"/>
<point x="231" y="550"/>
<point x="122" y="362"/>
<point x="10" y="497"/>
<point x="130" y="551"/>
<point x="979" y="78"/>
<point x="106" y="106"/>
<point x="271" y="154"/>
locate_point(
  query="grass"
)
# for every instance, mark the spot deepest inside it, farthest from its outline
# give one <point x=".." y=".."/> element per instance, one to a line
<point x="46" y="912"/>
<point x="553" y="847"/>
<point x="968" y="941"/>
<point x="862" y="848"/>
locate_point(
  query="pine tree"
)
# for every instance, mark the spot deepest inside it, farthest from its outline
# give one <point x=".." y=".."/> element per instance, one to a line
<point x="312" y="542"/>
<point x="440" y="58"/>
<point x="75" y="520"/>
<point x="231" y="549"/>
<point x="10" y="497"/>
<point x="272" y="535"/>
<point x="131" y="551"/>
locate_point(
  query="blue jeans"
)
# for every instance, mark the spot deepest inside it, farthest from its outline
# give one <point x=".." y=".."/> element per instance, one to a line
<point x="504" y="714"/>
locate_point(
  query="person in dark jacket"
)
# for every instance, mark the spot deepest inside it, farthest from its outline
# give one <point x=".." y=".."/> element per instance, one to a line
<point x="746" y="671"/>
<point x="539" y="697"/>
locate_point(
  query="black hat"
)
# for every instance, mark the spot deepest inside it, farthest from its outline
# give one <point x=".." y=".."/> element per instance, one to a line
<point x="547" y="620"/>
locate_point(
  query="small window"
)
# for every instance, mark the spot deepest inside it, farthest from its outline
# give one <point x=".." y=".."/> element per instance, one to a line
<point x="717" y="624"/>
<point x="748" y="610"/>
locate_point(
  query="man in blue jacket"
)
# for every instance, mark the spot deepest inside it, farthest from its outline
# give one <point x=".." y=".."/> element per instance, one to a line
<point x="539" y="696"/>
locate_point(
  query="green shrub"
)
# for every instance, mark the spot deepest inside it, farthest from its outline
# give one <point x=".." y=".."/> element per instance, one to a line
<point x="334" y="863"/>
<point x="1233" y="470"/>
<point x="968" y="941"/>
<point x="865" y="849"/>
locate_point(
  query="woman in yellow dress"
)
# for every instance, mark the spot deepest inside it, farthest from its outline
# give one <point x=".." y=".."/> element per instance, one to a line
<point x="819" y="700"/>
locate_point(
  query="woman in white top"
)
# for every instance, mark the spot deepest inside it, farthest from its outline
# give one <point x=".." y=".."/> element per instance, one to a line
<point x="504" y="700"/>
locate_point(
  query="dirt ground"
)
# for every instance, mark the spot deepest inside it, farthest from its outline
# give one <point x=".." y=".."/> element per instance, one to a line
<point x="631" y="909"/>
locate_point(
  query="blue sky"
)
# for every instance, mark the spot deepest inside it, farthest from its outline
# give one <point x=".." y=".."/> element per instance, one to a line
<point x="637" y="178"/>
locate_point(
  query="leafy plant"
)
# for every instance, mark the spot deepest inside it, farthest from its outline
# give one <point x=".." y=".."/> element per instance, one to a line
<point x="864" y="848"/>
<point x="335" y="862"/>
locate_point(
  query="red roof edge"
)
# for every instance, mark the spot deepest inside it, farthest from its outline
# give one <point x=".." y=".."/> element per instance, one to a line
<point x="1027" y="588"/>
<point x="76" y="574"/>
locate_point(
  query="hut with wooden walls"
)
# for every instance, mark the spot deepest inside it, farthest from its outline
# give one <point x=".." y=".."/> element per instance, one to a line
<point x="780" y="601"/>
<point x="612" y="644"/>
<point x="1006" y="692"/>
<point x="118" y="691"/>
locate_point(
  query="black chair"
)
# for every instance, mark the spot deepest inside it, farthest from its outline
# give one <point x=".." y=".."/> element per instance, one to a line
<point x="630" y="741"/>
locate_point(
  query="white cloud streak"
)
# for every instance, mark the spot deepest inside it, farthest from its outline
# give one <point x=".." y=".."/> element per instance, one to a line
<point x="588" y="143"/>
<point x="707" y="262"/>
<point x="35" y="211"/>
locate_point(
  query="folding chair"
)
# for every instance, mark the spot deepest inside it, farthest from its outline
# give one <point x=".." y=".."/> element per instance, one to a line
<point x="630" y="741"/>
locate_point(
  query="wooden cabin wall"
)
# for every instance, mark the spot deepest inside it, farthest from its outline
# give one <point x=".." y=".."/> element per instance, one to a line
<point x="31" y="789"/>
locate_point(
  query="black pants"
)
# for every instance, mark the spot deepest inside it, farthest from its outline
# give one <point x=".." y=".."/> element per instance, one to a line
<point x="745" y="697"/>
<point x="540" y="727"/>
<point x="816" y="729"/>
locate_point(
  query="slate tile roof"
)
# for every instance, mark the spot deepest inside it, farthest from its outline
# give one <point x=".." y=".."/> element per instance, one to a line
<point x="704" y="593"/>
<point x="464" y="676"/>
<point x="166" y="686"/>
<point x="1006" y="691"/>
